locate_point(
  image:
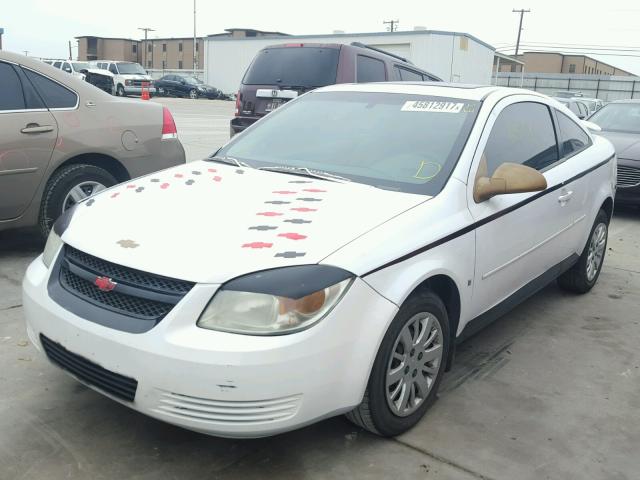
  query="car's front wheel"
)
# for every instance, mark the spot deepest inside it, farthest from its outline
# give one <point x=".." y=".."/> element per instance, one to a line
<point x="408" y="368"/>
<point x="193" y="93"/>
<point x="584" y="274"/>
<point x="120" y="91"/>
<point x="68" y="186"/>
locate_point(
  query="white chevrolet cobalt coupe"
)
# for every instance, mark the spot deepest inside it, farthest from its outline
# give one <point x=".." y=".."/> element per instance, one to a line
<point x="325" y="261"/>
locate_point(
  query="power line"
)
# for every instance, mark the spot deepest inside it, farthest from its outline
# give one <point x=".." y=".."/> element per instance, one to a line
<point x="522" y="11"/>
<point x="393" y="25"/>
<point x="566" y="47"/>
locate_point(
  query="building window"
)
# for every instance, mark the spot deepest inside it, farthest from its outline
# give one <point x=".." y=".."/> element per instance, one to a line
<point x="148" y="63"/>
<point x="464" y="43"/>
<point x="134" y="48"/>
<point x="180" y="47"/>
<point x="180" y="64"/>
<point x="572" y="68"/>
<point x="197" y="46"/>
<point x="513" y="67"/>
<point x="164" y="48"/>
<point x="149" y="48"/>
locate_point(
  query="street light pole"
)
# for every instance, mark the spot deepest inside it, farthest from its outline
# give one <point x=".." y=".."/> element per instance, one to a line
<point x="145" y="30"/>
<point x="195" y="56"/>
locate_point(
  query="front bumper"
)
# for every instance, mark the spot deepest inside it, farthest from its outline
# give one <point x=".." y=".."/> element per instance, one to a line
<point x="131" y="90"/>
<point x="220" y="383"/>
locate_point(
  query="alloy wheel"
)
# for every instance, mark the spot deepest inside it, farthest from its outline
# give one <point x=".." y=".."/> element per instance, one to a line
<point x="80" y="192"/>
<point x="595" y="253"/>
<point x="415" y="361"/>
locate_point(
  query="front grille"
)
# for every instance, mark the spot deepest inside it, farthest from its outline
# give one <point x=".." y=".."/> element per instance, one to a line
<point x="110" y="382"/>
<point x="135" y="306"/>
<point x="628" y="176"/>
<point x="127" y="275"/>
<point x="137" y="294"/>
<point x="226" y="411"/>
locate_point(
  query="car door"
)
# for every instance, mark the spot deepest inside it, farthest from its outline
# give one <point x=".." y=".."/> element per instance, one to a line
<point x="28" y="133"/>
<point x="520" y="236"/>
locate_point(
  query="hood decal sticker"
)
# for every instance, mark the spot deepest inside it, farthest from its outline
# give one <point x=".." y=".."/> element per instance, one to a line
<point x="257" y="245"/>
<point x="290" y="254"/>
<point x="128" y="244"/>
<point x="304" y="209"/>
<point x="292" y="236"/>
<point x="263" y="227"/>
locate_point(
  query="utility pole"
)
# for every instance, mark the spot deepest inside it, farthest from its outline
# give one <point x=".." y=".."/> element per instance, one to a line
<point x="393" y="25"/>
<point x="1" y="33"/>
<point x="26" y="53"/>
<point x="522" y="11"/>
<point x="70" y="54"/>
<point x="146" y="30"/>
<point x="195" y="55"/>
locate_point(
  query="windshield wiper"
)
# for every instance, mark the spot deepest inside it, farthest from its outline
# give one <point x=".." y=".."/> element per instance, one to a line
<point x="229" y="161"/>
<point x="305" y="172"/>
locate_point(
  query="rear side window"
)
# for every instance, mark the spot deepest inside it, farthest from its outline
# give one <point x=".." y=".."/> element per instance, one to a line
<point x="572" y="137"/>
<point x="113" y="69"/>
<point x="11" y="97"/>
<point x="57" y="64"/>
<point x="523" y="133"/>
<point x="294" y="67"/>
<point x="53" y="94"/>
<point x="409" y="75"/>
<point x="370" y="70"/>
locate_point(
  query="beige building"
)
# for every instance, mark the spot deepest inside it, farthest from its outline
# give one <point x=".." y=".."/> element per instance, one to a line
<point x="157" y="53"/>
<point x="551" y="62"/>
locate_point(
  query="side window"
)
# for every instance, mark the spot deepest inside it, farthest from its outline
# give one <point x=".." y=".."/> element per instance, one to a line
<point x="370" y="70"/>
<point x="113" y="69"/>
<point x="523" y="133"/>
<point x="410" y="76"/>
<point x="396" y="73"/>
<point x="53" y="94"/>
<point x="11" y="97"/>
<point x="57" y="64"/>
<point x="573" y="106"/>
<point x="66" y="67"/>
<point x="572" y="137"/>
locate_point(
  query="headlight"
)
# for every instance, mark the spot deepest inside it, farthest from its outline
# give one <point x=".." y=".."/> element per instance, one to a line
<point x="54" y="242"/>
<point x="276" y="302"/>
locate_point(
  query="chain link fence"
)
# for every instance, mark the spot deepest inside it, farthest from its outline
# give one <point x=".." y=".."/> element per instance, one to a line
<point x="605" y="87"/>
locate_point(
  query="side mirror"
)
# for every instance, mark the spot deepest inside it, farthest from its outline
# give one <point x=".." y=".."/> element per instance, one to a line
<point x="508" y="178"/>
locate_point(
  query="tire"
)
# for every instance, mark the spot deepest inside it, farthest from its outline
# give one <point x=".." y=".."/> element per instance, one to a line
<point x="376" y="413"/>
<point x="584" y="274"/>
<point x="120" y="91"/>
<point x="193" y="94"/>
<point x="57" y="194"/>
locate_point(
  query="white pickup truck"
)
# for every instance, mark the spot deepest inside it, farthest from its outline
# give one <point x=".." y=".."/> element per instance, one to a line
<point x="129" y="77"/>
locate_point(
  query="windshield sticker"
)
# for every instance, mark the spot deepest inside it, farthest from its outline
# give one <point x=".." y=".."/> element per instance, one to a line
<point x="427" y="170"/>
<point x="437" y="107"/>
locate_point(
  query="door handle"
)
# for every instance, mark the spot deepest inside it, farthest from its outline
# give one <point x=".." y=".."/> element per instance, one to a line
<point x="35" y="128"/>
<point x="565" y="197"/>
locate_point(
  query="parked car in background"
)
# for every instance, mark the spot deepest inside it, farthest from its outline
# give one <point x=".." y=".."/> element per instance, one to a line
<point x="280" y="73"/>
<point x="576" y="105"/>
<point x="71" y="66"/>
<point x="185" y="86"/>
<point x="62" y="140"/>
<point x="373" y="228"/>
<point x="620" y="124"/>
<point x="129" y="77"/>
<point x="567" y="94"/>
<point x="103" y="79"/>
<point x="593" y="104"/>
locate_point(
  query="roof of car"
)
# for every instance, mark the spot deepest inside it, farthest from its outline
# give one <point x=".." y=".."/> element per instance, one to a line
<point x="628" y="100"/>
<point x="440" y="89"/>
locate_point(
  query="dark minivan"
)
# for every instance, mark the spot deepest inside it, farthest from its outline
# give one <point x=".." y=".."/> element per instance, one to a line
<point x="281" y="72"/>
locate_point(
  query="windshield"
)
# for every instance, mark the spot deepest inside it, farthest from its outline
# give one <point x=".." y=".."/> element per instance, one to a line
<point x="402" y="142"/>
<point x="618" y="117"/>
<point x="131" y="68"/>
<point x="192" y="81"/>
<point x="294" y="67"/>
<point x="80" y="66"/>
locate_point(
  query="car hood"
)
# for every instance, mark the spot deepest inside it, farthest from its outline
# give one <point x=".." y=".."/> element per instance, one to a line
<point x="627" y="145"/>
<point x="135" y="76"/>
<point x="208" y="222"/>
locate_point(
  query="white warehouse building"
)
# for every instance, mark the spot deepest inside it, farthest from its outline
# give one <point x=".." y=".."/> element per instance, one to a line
<point x="452" y="56"/>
